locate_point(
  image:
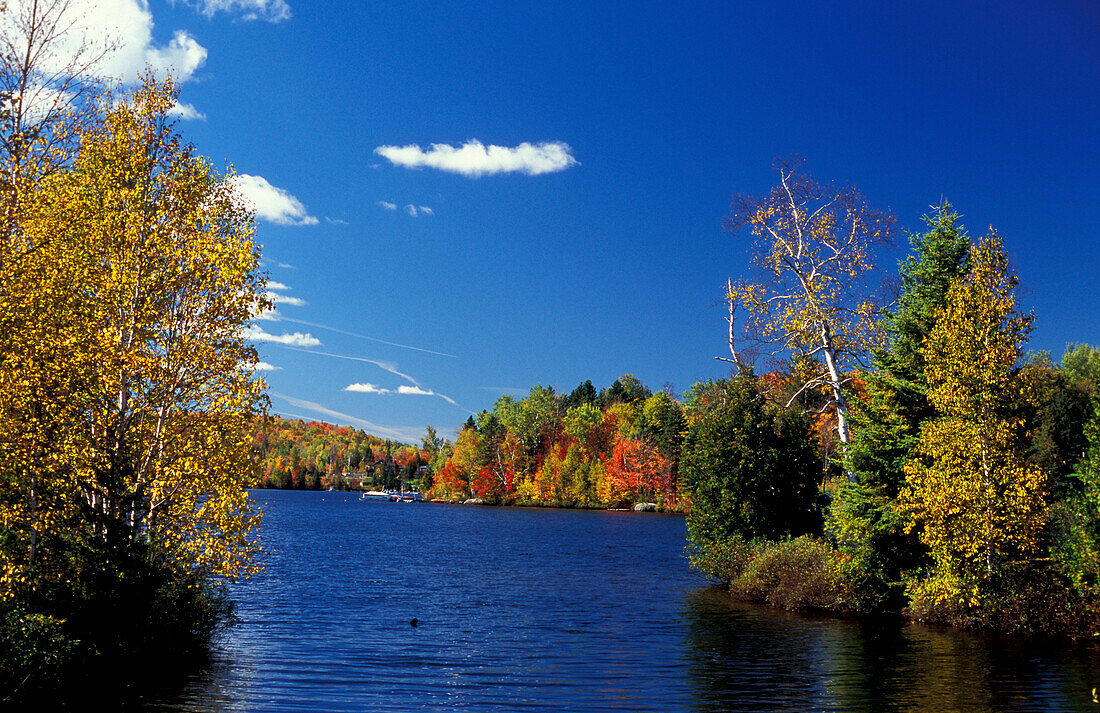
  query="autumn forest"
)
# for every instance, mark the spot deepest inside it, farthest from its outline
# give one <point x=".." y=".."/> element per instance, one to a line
<point x="870" y="449"/>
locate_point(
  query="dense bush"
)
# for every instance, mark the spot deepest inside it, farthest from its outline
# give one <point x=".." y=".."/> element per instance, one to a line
<point x="798" y="574"/>
<point x="1023" y="598"/>
<point x="118" y="619"/>
<point x="34" y="654"/>
<point x="722" y="561"/>
<point x="752" y="469"/>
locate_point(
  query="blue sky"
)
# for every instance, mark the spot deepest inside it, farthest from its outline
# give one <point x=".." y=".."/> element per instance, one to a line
<point x="598" y="249"/>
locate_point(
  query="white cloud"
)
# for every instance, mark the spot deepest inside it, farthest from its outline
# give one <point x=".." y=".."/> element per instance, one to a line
<point x="297" y="339"/>
<point x="272" y="285"/>
<point x="269" y="10"/>
<point x="286" y="266"/>
<point x="475" y="159"/>
<point x="335" y="221"/>
<point x="118" y="34"/>
<point x="411" y="210"/>
<point x="403" y="390"/>
<point x="366" y="389"/>
<point x="285" y="299"/>
<point x="414" y="391"/>
<point x="187" y="112"/>
<point x="426" y="210"/>
<point x="387" y="205"/>
<point x="268" y="315"/>
<point x="271" y="203"/>
<point x="180" y="58"/>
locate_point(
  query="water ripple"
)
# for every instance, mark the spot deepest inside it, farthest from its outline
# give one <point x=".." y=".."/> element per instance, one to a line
<point x="524" y="609"/>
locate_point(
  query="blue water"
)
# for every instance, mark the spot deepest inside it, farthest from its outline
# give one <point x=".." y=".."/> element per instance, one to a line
<point x="531" y="609"/>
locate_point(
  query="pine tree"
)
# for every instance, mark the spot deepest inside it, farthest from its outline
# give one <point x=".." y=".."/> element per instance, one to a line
<point x="977" y="502"/>
<point x="887" y="425"/>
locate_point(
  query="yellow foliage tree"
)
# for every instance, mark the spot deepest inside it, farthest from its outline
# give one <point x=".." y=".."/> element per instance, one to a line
<point x="977" y="501"/>
<point x="813" y="249"/>
<point x="128" y="403"/>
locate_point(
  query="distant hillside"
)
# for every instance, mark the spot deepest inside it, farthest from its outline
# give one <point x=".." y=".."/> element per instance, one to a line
<point x="312" y="455"/>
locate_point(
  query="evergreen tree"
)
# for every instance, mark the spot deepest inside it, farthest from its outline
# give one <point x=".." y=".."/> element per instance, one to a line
<point x="890" y="425"/>
<point x="976" y="500"/>
<point x="585" y="393"/>
<point x="887" y="426"/>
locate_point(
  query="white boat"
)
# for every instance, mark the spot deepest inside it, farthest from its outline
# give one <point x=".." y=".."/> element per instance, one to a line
<point x="393" y="496"/>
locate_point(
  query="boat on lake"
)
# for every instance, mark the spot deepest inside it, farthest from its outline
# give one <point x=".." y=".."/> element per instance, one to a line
<point x="393" y="496"/>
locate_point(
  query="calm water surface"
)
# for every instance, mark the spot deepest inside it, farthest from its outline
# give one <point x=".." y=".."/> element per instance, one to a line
<point x="524" y="609"/>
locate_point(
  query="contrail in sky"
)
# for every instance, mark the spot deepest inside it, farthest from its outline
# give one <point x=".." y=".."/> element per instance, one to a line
<point x="385" y="365"/>
<point x="363" y="336"/>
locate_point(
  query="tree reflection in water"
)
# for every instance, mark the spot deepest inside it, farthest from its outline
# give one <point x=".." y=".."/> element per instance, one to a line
<point x="750" y="658"/>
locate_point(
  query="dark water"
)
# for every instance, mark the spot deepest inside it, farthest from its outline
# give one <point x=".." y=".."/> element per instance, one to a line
<point x="522" y="609"/>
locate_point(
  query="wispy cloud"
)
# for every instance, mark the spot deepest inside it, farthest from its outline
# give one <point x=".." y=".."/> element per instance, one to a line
<point x="427" y="210"/>
<point x="268" y="10"/>
<point x="402" y="390"/>
<point x="363" y="336"/>
<point x="417" y="211"/>
<point x="475" y="159"/>
<point x="383" y="365"/>
<point x="335" y="221"/>
<point x="273" y="285"/>
<point x="297" y="339"/>
<point x="407" y="435"/>
<point x="271" y="203"/>
<point x="415" y="391"/>
<point x="386" y="205"/>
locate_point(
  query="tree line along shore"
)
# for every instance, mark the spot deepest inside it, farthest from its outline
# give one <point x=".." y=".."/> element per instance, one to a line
<point x="868" y="452"/>
<point x="903" y="456"/>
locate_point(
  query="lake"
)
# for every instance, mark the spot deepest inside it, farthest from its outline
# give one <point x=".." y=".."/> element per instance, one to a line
<point x="564" y="610"/>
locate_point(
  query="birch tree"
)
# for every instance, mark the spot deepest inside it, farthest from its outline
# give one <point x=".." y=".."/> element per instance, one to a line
<point x="969" y="489"/>
<point x="131" y="400"/>
<point x="810" y="303"/>
<point x="46" y="81"/>
<point x="169" y="391"/>
<point x="48" y="85"/>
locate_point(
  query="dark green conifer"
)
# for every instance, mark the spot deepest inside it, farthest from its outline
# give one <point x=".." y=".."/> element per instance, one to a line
<point x="887" y="426"/>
